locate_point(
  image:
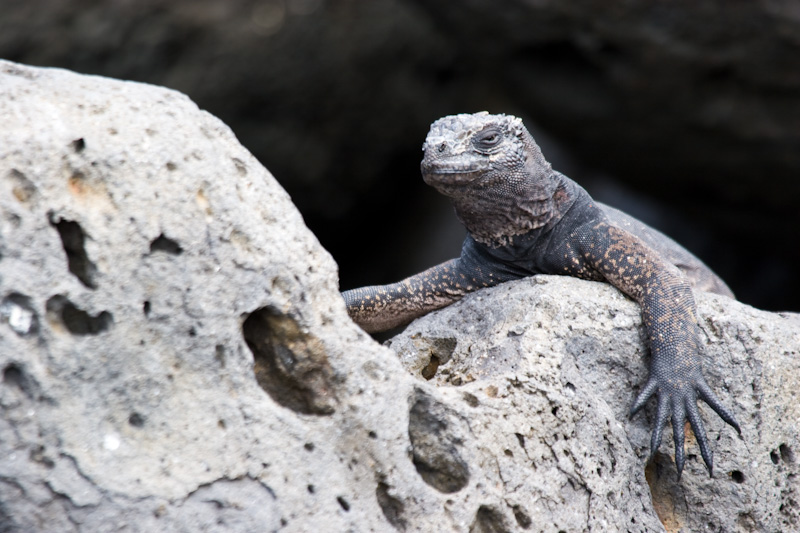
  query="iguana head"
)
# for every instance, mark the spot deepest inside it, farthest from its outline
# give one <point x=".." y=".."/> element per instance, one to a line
<point x="493" y="170"/>
<point x="463" y="150"/>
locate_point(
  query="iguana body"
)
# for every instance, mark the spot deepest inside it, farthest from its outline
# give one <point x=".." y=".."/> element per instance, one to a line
<point x="524" y="218"/>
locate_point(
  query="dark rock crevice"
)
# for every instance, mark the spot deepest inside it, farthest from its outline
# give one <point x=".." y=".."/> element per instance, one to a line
<point x="77" y="321"/>
<point x="73" y="239"/>
<point x="290" y="364"/>
<point x="437" y="436"/>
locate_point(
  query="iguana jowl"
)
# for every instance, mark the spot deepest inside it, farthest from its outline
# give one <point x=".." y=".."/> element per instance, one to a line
<point x="524" y="218"/>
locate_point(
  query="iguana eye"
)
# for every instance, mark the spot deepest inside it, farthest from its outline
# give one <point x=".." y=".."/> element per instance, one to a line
<point x="488" y="139"/>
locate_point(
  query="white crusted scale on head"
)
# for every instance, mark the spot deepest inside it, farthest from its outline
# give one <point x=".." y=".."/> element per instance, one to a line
<point x="458" y="130"/>
<point x="490" y="166"/>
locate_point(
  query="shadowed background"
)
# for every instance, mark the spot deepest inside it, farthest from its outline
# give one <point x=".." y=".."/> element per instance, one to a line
<point x="685" y="114"/>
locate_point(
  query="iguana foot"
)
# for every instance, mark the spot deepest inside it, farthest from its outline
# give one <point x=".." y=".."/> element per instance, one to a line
<point x="680" y="402"/>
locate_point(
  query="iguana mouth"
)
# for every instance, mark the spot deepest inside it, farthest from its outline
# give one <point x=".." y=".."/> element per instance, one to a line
<point x="453" y="173"/>
<point x="455" y="170"/>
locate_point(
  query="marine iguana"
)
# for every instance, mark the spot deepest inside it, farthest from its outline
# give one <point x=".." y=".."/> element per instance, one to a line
<point x="524" y="218"/>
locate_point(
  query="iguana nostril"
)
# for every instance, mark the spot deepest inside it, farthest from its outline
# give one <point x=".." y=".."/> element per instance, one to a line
<point x="442" y="147"/>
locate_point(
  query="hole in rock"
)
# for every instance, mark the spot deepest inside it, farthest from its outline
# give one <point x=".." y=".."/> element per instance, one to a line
<point x="489" y="520"/>
<point x="343" y="503"/>
<point x="786" y="453"/>
<point x="773" y="456"/>
<point x="391" y="506"/>
<point x="310" y="489"/>
<point x="14" y="375"/>
<point x="737" y="476"/>
<point x="522" y="517"/>
<point x="78" y="145"/>
<point x="165" y="244"/>
<point x="75" y="320"/>
<point x="146" y="308"/>
<point x="436" y="434"/>
<point x="430" y="369"/>
<point x="290" y="363"/>
<point x="136" y="420"/>
<point x="73" y="239"/>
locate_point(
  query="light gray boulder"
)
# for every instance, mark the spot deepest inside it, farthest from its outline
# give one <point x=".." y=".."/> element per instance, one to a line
<point x="145" y="256"/>
<point x="175" y="356"/>
<point x="552" y="365"/>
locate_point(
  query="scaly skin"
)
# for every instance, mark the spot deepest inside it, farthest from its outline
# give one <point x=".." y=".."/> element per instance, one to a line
<point x="523" y="219"/>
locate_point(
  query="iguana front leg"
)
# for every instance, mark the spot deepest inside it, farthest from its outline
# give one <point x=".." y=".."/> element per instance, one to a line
<point x="670" y="318"/>
<point x="382" y="307"/>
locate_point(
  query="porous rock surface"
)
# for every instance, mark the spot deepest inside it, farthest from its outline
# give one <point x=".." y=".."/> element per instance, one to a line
<point x="175" y="356"/>
<point x="552" y="365"/>
<point x="174" y="352"/>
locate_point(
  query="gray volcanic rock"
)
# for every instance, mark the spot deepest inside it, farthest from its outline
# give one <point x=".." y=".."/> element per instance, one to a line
<point x="552" y="364"/>
<point x="175" y="356"/>
<point x="174" y="351"/>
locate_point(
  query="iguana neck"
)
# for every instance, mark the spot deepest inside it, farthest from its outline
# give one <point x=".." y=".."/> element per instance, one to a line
<point x="502" y="205"/>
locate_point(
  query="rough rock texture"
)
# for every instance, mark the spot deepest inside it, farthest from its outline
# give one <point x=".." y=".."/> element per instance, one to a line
<point x="551" y="365"/>
<point x="174" y="351"/>
<point x="695" y="104"/>
<point x="175" y="356"/>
